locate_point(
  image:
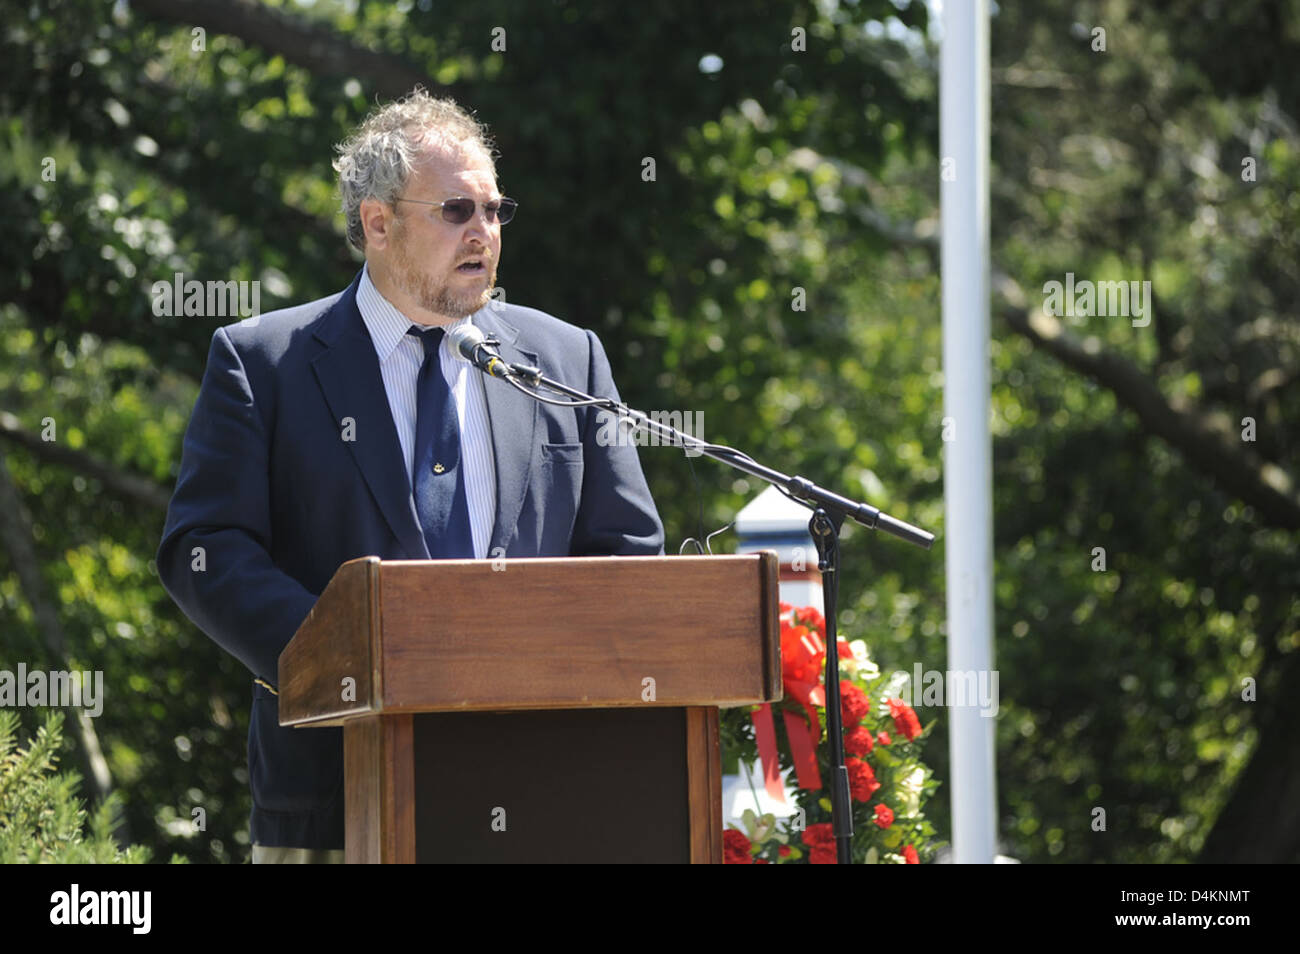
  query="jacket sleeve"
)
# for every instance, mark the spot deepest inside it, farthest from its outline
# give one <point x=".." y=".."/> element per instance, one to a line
<point x="617" y="515"/>
<point x="214" y="559"/>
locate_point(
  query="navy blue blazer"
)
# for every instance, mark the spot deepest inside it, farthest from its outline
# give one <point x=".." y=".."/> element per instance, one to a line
<point x="271" y="499"/>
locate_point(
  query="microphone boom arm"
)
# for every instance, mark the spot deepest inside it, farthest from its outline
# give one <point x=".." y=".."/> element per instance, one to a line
<point x="798" y="488"/>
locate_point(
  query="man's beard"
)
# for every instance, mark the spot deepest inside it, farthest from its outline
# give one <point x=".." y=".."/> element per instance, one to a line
<point x="441" y="298"/>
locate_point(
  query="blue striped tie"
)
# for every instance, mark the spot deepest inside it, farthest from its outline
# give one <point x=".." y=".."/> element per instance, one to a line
<point x="439" y="488"/>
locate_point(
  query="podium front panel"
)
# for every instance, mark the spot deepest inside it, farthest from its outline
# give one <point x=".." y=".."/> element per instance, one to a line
<point x="561" y="786"/>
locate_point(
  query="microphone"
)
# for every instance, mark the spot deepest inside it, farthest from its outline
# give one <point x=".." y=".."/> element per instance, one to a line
<point x="470" y="344"/>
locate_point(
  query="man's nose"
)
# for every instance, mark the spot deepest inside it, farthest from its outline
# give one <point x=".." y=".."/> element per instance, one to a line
<point x="478" y="225"/>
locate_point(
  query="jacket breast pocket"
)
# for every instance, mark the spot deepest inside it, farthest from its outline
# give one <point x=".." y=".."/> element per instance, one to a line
<point x="562" y="454"/>
<point x="557" y="497"/>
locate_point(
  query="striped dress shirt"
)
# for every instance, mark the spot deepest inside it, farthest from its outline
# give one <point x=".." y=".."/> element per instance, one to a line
<point x="400" y="356"/>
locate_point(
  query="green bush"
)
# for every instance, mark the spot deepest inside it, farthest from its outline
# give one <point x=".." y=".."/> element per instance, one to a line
<point x="41" y="818"/>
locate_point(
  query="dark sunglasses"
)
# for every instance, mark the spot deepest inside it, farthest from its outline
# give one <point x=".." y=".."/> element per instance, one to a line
<point x="460" y="211"/>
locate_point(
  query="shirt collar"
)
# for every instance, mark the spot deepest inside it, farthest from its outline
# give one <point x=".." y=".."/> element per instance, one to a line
<point x="386" y="324"/>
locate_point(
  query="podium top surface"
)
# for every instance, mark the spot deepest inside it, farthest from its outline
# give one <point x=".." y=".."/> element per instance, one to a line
<point x="393" y="636"/>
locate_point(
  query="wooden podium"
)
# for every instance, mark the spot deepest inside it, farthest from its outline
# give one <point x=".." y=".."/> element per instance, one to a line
<point x="534" y="710"/>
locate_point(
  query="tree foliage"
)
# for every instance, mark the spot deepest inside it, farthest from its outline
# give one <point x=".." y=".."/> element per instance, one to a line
<point x="196" y="138"/>
<point x="41" y="819"/>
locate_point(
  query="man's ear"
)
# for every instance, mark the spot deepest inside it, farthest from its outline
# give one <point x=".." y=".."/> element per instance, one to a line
<point x="377" y="221"/>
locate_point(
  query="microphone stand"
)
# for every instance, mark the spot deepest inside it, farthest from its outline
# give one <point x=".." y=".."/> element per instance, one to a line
<point x="829" y="512"/>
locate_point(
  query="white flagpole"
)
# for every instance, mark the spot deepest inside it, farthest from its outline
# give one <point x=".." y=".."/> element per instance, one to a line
<point x="968" y="501"/>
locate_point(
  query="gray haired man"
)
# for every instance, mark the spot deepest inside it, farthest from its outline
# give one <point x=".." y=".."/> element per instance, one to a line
<point x="346" y="427"/>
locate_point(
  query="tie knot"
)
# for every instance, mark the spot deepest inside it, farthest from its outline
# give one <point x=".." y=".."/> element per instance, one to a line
<point x="430" y="337"/>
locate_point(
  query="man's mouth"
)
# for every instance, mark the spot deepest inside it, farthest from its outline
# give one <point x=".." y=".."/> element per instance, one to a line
<point x="473" y="266"/>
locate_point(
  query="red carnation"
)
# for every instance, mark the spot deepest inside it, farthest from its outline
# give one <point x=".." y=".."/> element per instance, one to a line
<point x="854" y="703"/>
<point x="862" y="780"/>
<point x="821" y="843"/>
<point x="784" y="851"/>
<point x="823" y="855"/>
<point x="905" y="720"/>
<point x="735" y="848"/>
<point x="857" y="741"/>
<point x="819" y="834"/>
<point x="909" y="855"/>
<point x="884" y="815"/>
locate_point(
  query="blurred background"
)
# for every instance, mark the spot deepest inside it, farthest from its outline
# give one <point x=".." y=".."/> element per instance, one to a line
<point x="777" y="274"/>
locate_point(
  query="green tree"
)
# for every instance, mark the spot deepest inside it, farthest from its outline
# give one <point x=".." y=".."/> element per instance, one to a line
<point x="779" y="275"/>
<point x="41" y="819"/>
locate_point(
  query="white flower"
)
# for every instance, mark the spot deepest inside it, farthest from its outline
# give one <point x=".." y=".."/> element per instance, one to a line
<point x="865" y="666"/>
<point x="909" y="791"/>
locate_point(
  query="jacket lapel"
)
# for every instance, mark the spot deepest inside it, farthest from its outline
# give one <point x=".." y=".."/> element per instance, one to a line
<point x="512" y="418"/>
<point x="348" y="373"/>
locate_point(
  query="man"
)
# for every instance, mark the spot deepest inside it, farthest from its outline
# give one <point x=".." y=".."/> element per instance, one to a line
<point x="346" y="427"/>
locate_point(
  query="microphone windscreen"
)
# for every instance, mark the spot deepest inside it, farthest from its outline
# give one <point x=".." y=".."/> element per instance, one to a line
<point x="464" y="340"/>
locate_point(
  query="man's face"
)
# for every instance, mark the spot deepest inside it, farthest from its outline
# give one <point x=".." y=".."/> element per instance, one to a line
<point x="426" y="256"/>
